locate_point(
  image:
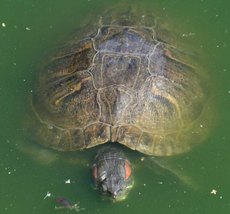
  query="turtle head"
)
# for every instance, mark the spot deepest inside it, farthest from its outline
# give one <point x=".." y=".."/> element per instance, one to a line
<point x="113" y="175"/>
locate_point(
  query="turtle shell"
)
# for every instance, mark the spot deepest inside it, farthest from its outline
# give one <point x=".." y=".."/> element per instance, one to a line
<point x="122" y="84"/>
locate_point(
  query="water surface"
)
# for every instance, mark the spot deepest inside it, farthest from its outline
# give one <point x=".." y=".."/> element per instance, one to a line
<point x="28" y="31"/>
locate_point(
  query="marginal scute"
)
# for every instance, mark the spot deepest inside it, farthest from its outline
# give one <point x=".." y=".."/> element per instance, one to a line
<point x="128" y="135"/>
<point x="77" y="139"/>
<point x="97" y="133"/>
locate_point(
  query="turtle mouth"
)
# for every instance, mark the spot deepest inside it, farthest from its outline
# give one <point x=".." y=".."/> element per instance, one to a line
<point x="122" y="194"/>
<point x="116" y="193"/>
<point x="116" y="189"/>
<point x="115" y="197"/>
<point x="119" y="197"/>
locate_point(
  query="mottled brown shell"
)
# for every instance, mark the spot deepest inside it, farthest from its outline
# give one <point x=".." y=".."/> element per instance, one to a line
<point x="120" y="84"/>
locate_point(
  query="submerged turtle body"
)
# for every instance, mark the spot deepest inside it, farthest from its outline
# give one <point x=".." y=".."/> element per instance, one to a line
<point x="122" y="84"/>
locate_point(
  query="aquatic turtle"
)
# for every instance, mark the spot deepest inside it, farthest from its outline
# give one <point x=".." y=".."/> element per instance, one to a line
<point x="124" y="83"/>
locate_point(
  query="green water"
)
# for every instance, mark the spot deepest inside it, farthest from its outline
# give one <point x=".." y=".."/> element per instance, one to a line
<point x="29" y="29"/>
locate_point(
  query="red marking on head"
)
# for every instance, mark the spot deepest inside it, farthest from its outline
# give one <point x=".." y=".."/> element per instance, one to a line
<point x="128" y="170"/>
<point x="95" y="172"/>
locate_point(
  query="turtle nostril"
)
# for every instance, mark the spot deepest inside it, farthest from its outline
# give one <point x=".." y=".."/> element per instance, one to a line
<point x="113" y="194"/>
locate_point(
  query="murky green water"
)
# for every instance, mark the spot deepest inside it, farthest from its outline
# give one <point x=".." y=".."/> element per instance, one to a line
<point x="29" y="29"/>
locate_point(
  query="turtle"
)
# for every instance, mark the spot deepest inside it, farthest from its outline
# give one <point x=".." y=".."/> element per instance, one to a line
<point x="119" y="81"/>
